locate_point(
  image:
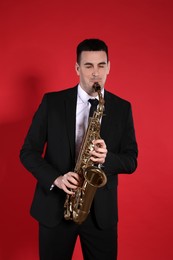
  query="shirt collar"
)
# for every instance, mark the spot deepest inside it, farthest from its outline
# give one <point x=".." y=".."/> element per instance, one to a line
<point x="84" y="96"/>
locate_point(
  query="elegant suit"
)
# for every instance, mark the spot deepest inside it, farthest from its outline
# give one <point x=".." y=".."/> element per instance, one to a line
<point x="54" y="125"/>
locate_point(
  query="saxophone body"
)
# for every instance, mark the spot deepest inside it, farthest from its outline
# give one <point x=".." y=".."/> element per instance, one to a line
<point x="77" y="206"/>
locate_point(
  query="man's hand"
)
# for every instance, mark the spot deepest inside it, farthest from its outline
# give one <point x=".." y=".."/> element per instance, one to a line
<point x="68" y="182"/>
<point x="99" y="152"/>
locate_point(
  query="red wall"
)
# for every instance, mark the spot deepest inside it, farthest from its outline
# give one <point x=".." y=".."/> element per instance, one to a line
<point x="37" y="54"/>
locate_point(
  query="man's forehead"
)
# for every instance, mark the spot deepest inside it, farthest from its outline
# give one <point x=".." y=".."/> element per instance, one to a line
<point x="89" y="56"/>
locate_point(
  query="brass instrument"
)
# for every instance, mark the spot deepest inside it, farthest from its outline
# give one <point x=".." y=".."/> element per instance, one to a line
<point x="77" y="206"/>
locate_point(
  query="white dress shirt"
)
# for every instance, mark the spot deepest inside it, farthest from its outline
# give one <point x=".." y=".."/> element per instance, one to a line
<point x="82" y="114"/>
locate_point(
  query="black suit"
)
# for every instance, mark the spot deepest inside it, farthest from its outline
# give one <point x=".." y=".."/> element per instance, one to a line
<point x="54" y="124"/>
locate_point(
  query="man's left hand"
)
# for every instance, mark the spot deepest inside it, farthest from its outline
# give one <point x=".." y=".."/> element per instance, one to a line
<point x="99" y="152"/>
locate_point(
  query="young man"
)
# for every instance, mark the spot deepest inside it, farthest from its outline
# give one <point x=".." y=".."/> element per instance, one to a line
<point x="60" y="123"/>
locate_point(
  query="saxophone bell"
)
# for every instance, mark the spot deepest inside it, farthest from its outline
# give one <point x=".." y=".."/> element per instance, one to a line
<point x="94" y="178"/>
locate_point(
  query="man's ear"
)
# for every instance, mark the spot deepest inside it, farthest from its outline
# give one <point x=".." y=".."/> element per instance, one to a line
<point x="77" y="68"/>
<point x="109" y="67"/>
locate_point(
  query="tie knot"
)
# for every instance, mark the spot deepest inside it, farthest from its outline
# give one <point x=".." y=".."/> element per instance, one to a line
<point x="94" y="103"/>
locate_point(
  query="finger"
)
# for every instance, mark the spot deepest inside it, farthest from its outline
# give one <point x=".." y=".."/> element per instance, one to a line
<point x="100" y="150"/>
<point x="71" y="184"/>
<point x="98" y="160"/>
<point x="99" y="143"/>
<point x="99" y="154"/>
<point x="71" y="176"/>
<point x="68" y="187"/>
<point x="75" y="176"/>
<point x="70" y="192"/>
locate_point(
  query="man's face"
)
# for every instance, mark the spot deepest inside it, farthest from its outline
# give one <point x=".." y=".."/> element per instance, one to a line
<point x="93" y="67"/>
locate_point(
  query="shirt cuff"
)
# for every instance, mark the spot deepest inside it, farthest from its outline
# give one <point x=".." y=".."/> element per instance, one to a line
<point x="52" y="186"/>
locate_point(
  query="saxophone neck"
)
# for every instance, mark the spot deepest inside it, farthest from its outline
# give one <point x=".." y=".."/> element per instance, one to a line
<point x="97" y="88"/>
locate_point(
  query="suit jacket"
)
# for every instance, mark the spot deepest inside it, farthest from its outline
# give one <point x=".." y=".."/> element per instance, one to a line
<point x="49" y="151"/>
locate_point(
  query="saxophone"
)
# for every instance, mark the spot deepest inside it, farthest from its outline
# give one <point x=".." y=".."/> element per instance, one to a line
<point x="77" y="206"/>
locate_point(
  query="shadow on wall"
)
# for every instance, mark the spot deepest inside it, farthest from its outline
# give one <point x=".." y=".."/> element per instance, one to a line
<point x="17" y="228"/>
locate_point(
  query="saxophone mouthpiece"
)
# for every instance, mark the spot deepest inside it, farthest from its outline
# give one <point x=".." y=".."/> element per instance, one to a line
<point x="96" y="86"/>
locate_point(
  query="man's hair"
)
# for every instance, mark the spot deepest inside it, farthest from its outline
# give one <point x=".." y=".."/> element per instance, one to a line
<point x="91" y="45"/>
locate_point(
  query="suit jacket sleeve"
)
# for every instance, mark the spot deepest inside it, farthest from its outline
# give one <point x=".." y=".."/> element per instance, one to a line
<point x="31" y="154"/>
<point x="122" y="157"/>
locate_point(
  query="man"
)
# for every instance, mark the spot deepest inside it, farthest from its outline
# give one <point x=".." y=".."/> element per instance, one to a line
<point x="56" y="129"/>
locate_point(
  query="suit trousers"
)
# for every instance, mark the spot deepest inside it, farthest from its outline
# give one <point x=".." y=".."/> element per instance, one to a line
<point x="58" y="243"/>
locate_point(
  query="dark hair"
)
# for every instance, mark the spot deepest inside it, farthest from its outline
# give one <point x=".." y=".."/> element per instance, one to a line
<point x="91" y="45"/>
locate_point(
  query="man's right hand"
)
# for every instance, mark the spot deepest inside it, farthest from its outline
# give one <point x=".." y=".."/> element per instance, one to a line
<point x="68" y="182"/>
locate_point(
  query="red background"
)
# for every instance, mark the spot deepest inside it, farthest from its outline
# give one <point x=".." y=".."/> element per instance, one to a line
<point x="37" y="54"/>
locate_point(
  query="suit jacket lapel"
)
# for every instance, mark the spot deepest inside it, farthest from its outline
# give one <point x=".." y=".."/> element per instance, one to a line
<point x="70" y="106"/>
<point x="104" y="133"/>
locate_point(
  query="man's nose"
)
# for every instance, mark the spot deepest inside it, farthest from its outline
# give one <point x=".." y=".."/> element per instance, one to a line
<point x="95" y="72"/>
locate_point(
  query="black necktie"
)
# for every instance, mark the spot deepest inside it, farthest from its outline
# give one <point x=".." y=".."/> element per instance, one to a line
<point x="94" y="103"/>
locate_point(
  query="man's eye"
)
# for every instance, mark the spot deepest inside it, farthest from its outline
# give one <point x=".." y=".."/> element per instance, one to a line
<point x="101" y="66"/>
<point x="88" y="66"/>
